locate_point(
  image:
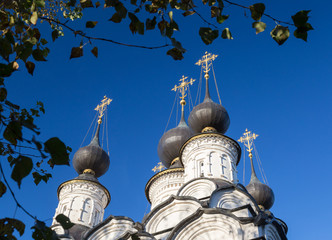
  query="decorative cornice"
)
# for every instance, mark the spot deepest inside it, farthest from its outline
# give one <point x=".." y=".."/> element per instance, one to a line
<point x="86" y="181"/>
<point x="209" y="129"/>
<point x="218" y="135"/>
<point x="156" y="176"/>
<point x="89" y="171"/>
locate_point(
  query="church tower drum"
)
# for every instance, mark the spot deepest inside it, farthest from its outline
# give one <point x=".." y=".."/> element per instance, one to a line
<point x="83" y="199"/>
<point x="209" y="153"/>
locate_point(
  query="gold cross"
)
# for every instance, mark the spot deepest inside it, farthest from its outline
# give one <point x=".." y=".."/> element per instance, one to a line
<point x="206" y="61"/>
<point x="101" y="108"/>
<point x="159" y="167"/>
<point x="247" y="139"/>
<point x="183" y="86"/>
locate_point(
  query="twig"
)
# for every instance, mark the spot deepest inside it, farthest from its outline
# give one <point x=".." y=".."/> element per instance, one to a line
<point x="204" y="20"/>
<point x="13" y="195"/>
<point x="266" y="15"/>
<point x="100" y="39"/>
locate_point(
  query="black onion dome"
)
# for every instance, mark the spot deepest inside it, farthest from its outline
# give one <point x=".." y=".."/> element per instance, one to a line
<point x="261" y="192"/>
<point x="92" y="157"/>
<point x="209" y="114"/>
<point x="171" y="142"/>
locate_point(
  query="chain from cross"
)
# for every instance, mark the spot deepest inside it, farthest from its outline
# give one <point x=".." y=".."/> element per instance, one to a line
<point x="159" y="167"/>
<point x="247" y="139"/>
<point x="183" y="86"/>
<point x="101" y="108"/>
<point x="206" y="61"/>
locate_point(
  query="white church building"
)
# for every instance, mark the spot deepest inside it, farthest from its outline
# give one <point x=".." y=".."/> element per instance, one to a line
<point x="197" y="196"/>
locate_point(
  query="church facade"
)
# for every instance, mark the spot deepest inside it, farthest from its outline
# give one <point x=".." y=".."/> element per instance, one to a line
<point x="198" y="195"/>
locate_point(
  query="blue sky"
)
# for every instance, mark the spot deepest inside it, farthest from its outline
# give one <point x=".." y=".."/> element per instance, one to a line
<point x="282" y="93"/>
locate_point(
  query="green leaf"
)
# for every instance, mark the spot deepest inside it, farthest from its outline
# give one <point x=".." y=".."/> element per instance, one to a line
<point x="215" y="11"/>
<point x="95" y="51"/>
<point x="22" y="168"/>
<point x="188" y="13"/>
<point x="208" y="35"/>
<point x="301" y="34"/>
<point x="151" y="23"/>
<point x="38" y="177"/>
<point x="76" y="52"/>
<point x="91" y="24"/>
<point x="257" y="10"/>
<point x="58" y="151"/>
<point x="170" y="15"/>
<point x="55" y="35"/>
<point x="40" y="3"/>
<point x="86" y="3"/>
<point x="34" y="18"/>
<point x="178" y="45"/>
<point x="42" y="232"/>
<point x="280" y="34"/>
<point x="43" y="41"/>
<point x="5" y="48"/>
<point x="136" y="25"/>
<point x="222" y="18"/>
<point x="121" y="10"/>
<point x="38" y="55"/>
<point x="32" y="40"/>
<point x="30" y="67"/>
<point x="301" y="18"/>
<point x="8" y="226"/>
<point x="226" y="34"/>
<point x="259" y="26"/>
<point x="175" y="53"/>
<point x="116" y="18"/>
<point x="5" y="70"/>
<point x="13" y="132"/>
<point x="64" y="221"/>
<point x="3" y="188"/>
<point x="3" y="94"/>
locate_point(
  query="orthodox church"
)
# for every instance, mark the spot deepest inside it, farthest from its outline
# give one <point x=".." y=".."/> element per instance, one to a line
<point x="195" y="195"/>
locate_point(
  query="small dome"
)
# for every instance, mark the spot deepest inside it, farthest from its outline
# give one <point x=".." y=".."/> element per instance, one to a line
<point x="262" y="193"/>
<point x="209" y="114"/>
<point x="171" y="142"/>
<point x="92" y="157"/>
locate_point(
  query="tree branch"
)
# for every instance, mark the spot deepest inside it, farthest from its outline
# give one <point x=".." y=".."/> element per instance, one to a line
<point x="264" y="14"/>
<point x="204" y="20"/>
<point x="80" y="33"/>
<point x="13" y="195"/>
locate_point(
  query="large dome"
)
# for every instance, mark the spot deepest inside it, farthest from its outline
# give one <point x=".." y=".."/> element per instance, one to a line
<point x="92" y="157"/>
<point x="171" y="142"/>
<point x="209" y="114"/>
<point x="261" y="192"/>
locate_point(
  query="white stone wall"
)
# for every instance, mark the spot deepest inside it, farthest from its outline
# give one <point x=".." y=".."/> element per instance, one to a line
<point x="211" y="156"/>
<point x="199" y="188"/>
<point x="164" y="186"/>
<point x="83" y="202"/>
<point x="211" y="227"/>
<point x="170" y="215"/>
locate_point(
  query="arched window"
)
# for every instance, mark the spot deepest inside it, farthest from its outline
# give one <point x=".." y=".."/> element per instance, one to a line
<point x="201" y="168"/>
<point x="85" y="210"/>
<point x="64" y="209"/>
<point x="223" y="162"/>
<point x="96" y="218"/>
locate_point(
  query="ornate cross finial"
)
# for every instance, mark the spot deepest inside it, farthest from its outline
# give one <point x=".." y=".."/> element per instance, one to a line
<point x="159" y="167"/>
<point x="183" y="87"/>
<point x="206" y="62"/>
<point x="247" y="139"/>
<point x="101" y="108"/>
